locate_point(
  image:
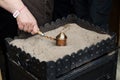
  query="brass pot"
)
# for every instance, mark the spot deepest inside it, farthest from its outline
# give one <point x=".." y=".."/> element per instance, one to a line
<point x="61" y="39"/>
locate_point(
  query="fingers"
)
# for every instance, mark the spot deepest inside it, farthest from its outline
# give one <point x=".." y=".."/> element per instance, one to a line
<point x="28" y="27"/>
<point x="35" y="29"/>
<point x="20" y="25"/>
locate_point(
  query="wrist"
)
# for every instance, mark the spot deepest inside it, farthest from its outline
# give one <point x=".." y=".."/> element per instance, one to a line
<point x="16" y="13"/>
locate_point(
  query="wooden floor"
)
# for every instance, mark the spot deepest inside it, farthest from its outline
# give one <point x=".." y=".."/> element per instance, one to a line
<point x="118" y="68"/>
<point x="0" y="75"/>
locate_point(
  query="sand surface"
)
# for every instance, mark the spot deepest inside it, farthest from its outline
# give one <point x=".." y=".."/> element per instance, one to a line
<point x="46" y="50"/>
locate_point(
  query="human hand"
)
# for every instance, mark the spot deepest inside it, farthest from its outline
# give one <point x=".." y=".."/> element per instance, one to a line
<point x="27" y="22"/>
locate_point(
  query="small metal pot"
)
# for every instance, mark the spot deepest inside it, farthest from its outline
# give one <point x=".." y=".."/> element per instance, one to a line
<point x="61" y="39"/>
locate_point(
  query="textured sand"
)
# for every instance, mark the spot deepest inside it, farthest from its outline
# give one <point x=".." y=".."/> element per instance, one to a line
<point x="46" y="50"/>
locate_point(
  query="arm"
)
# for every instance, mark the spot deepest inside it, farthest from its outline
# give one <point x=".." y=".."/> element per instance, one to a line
<point x="25" y="19"/>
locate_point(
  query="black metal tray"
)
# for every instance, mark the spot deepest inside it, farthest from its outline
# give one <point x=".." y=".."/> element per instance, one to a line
<point x="51" y="70"/>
